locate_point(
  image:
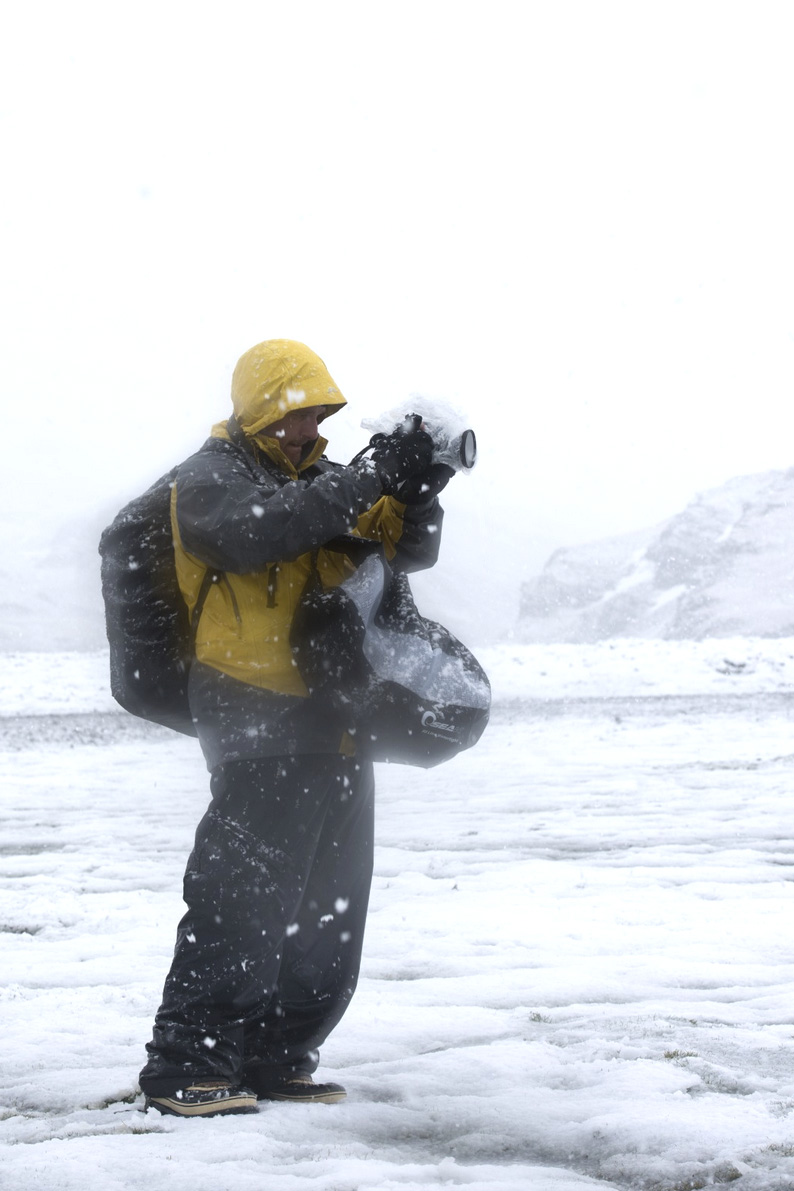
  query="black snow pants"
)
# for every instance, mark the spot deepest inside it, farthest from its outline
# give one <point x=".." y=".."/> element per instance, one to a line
<point x="267" y="955"/>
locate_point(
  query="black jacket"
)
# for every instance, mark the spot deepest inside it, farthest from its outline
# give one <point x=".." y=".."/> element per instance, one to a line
<point x="238" y="510"/>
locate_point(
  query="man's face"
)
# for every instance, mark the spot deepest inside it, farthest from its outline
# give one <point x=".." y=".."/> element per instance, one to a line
<point x="295" y="430"/>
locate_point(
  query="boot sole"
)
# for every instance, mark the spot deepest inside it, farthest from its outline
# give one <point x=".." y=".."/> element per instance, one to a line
<point x="235" y="1105"/>
<point x="307" y="1098"/>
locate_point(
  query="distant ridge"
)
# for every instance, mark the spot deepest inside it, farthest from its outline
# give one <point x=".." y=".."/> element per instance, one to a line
<point x="723" y="567"/>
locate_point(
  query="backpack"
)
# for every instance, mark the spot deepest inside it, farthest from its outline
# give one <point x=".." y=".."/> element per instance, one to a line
<point x="150" y="633"/>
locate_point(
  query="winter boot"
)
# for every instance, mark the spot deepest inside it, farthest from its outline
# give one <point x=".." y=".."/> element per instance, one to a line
<point x="207" y="1099"/>
<point x="300" y="1089"/>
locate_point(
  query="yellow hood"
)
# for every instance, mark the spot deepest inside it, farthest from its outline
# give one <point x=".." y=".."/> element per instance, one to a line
<point x="278" y="376"/>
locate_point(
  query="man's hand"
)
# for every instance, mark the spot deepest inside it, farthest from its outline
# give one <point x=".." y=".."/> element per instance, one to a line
<point x="399" y="456"/>
<point x="421" y="489"/>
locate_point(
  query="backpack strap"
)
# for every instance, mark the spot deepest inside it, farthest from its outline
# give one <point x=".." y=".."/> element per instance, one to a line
<point x="210" y="577"/>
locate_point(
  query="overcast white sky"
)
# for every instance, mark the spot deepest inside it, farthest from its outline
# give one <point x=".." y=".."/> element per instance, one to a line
<point x="572" y="219"/>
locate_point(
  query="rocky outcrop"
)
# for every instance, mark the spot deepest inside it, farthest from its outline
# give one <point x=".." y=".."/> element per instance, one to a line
<point x="723" y="567"/>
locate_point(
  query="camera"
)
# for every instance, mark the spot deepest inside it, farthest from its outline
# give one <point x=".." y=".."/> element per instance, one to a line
<point x="453" y="443"/>
<point x="457" y="450"/>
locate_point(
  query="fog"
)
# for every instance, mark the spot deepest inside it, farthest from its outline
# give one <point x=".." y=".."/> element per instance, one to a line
<point x="572" y="221"/>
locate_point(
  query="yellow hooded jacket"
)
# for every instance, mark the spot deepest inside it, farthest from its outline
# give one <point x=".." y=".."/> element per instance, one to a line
<point x="243" y="509"/>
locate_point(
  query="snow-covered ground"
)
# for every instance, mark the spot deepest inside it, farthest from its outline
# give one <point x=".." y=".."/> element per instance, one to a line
<point x="578" y="969"/>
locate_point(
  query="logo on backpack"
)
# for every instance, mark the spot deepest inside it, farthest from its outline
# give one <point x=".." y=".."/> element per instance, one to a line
<point x="432" y="724"/>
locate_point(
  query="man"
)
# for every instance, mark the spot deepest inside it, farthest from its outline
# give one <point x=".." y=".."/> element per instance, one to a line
<point x="267" y="955"/>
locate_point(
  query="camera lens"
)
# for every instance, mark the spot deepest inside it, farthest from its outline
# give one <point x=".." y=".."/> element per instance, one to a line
<point x="468" y="448"/>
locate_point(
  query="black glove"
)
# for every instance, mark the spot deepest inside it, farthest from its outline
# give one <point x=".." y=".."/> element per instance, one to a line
<point x="419" y="490"/>
<point x="398" y="456"/>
